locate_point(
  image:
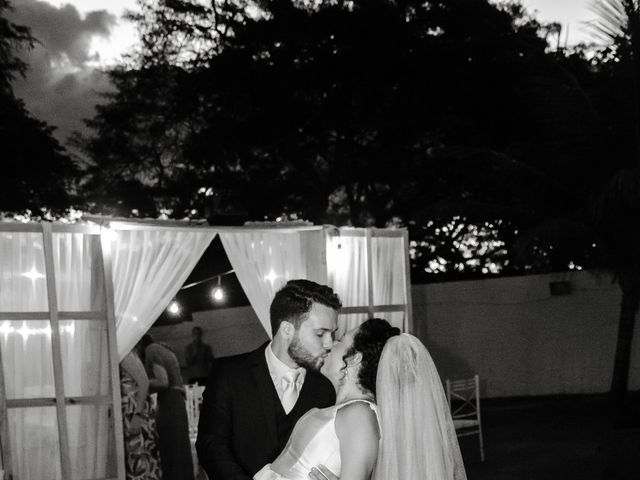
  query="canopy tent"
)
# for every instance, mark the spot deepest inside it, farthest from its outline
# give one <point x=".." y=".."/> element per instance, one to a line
<point x="74" y="300"/>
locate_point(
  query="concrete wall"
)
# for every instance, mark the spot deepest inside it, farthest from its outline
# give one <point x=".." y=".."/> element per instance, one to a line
<point x="229" y="331"/>
<point x="519" y="338"/>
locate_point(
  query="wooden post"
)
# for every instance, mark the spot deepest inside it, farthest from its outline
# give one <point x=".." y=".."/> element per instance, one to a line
<point x="5" y="443"/>
<point x="113" y="354"/>
<point x="56" y="350"/>
<point x="369" y="270"/>
<point x="408" y="322"/>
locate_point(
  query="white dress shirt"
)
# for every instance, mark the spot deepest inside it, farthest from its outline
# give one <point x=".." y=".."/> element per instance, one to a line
<point x="278" y="370"/>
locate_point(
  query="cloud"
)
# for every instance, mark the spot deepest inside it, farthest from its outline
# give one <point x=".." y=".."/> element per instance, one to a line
<point x="63" y="32"/>
<point x="63" y="84"/>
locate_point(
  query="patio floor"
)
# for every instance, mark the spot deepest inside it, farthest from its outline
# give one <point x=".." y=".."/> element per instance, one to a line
<point x="549" y="438"/>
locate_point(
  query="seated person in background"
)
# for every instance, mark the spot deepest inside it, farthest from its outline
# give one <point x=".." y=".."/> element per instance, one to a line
<point x="199" y="357"/>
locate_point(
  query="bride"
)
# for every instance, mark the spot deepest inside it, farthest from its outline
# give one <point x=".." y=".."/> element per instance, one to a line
<point x="391" y="419"/>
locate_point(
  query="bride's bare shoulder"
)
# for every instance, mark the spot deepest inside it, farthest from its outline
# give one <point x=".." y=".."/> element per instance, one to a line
<point x="357" y="430"/>
<point x="356" y="415"/>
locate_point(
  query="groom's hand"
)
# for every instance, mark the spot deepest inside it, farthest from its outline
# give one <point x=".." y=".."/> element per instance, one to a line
<point x="322" y="473"/>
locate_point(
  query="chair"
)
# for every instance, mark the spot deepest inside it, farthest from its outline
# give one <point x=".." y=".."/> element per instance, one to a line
<point x="193" y="399"/>
<point x="464" y="402"/>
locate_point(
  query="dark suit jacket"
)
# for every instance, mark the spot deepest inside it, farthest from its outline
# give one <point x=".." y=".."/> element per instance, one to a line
<point x="237" y="432"/>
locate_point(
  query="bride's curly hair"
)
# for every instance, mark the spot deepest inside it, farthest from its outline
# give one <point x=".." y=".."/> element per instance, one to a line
<point x="369" y="340"/>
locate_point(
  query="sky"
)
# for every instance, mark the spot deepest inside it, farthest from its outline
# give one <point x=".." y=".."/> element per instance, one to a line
<point x="81" y="37"/>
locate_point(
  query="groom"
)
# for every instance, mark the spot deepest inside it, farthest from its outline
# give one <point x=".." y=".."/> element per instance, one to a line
<point x="253" y="400"/>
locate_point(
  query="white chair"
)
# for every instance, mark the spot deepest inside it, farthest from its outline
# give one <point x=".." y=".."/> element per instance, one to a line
<point x="464" y="402"/>
<point x="193" y="399"/>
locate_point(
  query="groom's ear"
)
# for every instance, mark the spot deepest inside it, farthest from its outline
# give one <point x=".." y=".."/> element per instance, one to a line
<point x="287" y="329"/>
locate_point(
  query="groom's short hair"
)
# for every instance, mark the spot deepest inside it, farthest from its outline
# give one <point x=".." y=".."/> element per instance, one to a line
<point x="293" y="302"/>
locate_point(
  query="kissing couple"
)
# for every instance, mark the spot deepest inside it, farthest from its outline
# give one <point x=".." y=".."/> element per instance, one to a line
<point x="370" y="406"/>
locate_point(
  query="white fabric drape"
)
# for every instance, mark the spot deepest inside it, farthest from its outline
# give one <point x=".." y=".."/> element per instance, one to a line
<point x="27" y="357"/>
<point x="80" y="287"/>
<point x="149" y="267"/>
<point x="347" y="274"/>
<point x="27" y="353"/>
<point x="387" y="266"/>
<point x="347" y="269"/>
<point x="264" y="262"/>
<point x="389" y="276"/>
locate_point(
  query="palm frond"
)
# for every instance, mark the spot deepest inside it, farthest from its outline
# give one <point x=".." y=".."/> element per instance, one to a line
<point x="613" y="18"/>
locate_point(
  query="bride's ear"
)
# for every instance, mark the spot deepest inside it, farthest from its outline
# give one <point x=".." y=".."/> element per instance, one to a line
<point x="355" y="359"/>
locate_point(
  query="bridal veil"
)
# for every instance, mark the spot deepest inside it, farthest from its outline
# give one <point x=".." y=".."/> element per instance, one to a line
<point x="418" y="438"/>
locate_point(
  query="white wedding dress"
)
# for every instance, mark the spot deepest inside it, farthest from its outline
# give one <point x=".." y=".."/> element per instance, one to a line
<point x="313" y="442"/>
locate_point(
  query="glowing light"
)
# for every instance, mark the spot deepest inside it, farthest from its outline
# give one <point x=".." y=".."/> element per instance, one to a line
<point x="25" y="331"/>
<point x="174" y="308"/>
<point x="33" y="274"/>
<point x="110" y="234"/>
<point x="217" y="294"/>
<point x="271" y="276"/>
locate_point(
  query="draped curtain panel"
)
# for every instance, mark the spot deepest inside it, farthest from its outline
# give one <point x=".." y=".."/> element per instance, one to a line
<point x="348" y="276"/>
<point x="389" y="277"/>
<point x="149" y="267"/>
<point x="27" y="357"/>
<point x="85" y="362"/>
<point x="347" y="273"/>
<point x="264" y="262"/>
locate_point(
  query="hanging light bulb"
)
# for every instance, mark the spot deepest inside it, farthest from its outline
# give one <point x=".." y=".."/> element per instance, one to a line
<point x="174" y="308"/>
<point x="218" y="293"/>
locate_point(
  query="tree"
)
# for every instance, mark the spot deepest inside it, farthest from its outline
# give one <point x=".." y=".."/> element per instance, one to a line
<point x="137" y="156"/>
<point x="37" y="173"/>
<point x="601" y="226"/>
<point x="616" y="208"/>
<point x="309" y="110"/>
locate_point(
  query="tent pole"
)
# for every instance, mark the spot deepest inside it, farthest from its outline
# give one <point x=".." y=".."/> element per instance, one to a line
<point x="408" y="318"/>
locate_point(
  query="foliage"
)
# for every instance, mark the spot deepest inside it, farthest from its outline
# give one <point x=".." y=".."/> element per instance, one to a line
<point x="37" y="173"/>
<point x="309" y="110"/>
<point x="12" y="38"/>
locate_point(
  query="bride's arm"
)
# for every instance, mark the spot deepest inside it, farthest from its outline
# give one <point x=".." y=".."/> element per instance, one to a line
<point x="357" y="429"/>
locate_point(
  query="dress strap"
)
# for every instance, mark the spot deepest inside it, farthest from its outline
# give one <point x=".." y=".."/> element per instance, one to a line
<point x="349" y="402"/>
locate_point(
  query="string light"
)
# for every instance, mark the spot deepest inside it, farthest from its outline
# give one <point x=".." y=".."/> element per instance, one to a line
<point x="110" y="234"/>
<point x="33" y="274"/>
<point x="184" y="287"/>
<point x="218" y="293"/>
<point x="271" y="276"/>
<point x="6" y="329"/>
<point x="174" y="308"/>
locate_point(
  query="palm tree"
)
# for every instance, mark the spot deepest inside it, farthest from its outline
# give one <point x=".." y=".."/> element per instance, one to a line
<point x="615" y="211"/>
<point x="618" y="25"/>
<point x="616" y="218"/>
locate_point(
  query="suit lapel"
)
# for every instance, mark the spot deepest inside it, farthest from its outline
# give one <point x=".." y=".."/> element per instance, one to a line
<point x="267" y="391"/>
